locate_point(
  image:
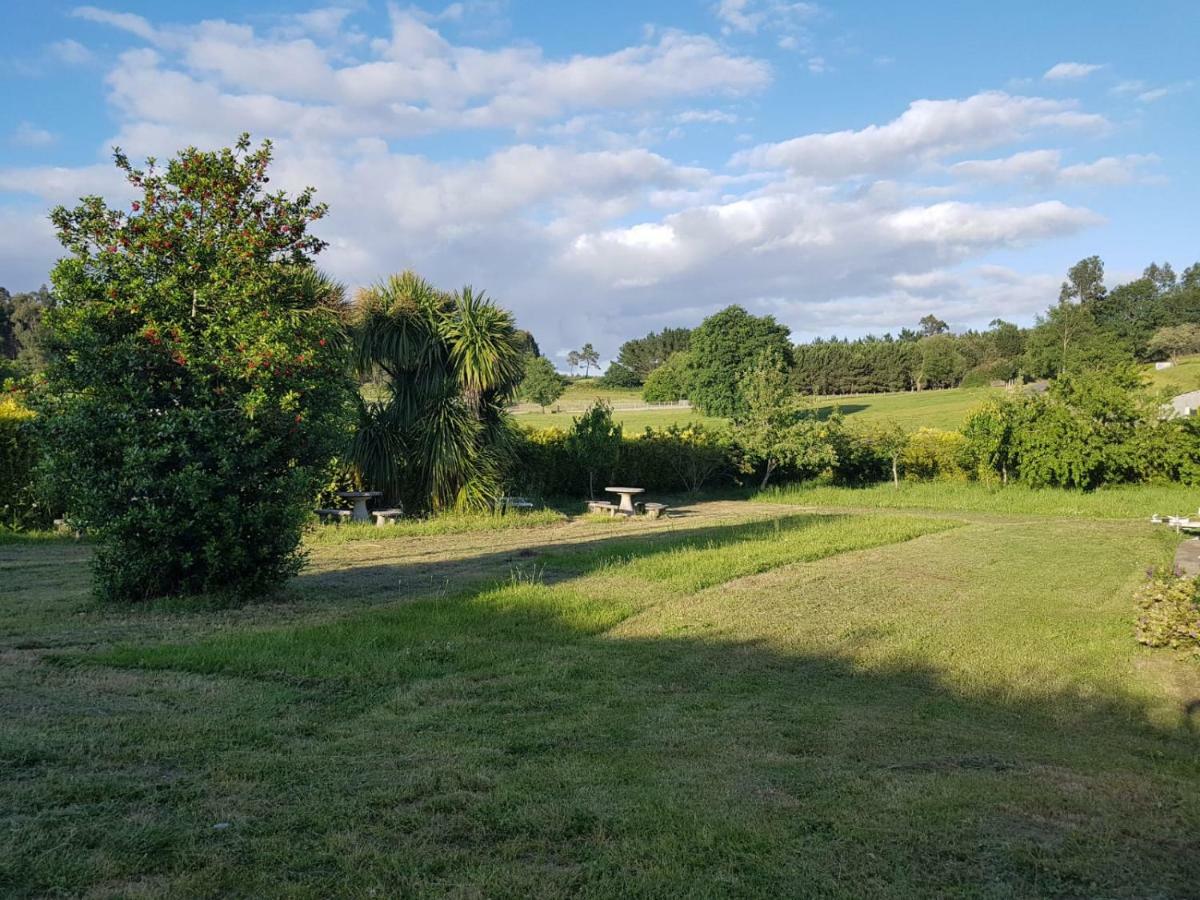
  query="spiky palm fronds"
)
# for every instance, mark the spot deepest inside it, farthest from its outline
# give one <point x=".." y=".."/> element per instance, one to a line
<point x="484" y="347"/>
<point x="452" y="363"/>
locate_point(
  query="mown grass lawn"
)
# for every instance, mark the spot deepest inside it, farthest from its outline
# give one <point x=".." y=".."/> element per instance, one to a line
<point x="750" y="700"/>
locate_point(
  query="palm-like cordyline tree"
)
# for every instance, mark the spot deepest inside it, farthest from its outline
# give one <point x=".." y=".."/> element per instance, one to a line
<point x="452" y="362"/>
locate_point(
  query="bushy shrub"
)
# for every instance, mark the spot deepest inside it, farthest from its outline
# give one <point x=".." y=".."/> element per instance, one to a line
<point x="669" y="383"/>
<point x="991" y="438"/>
<point x="197" y="384"/>
<point x="868" y="453"/>
<point x="20" y="503"/>
<point x="620" y="376"/>
<point x="1168" y="614"/>
<point x="723" y="348"/>
<point x="677" y="458"/>
<point x="1082" y="433"/>
<point x="542" y="384"/>
<point x="931" y="453"/>
<point x="594" y="442"/>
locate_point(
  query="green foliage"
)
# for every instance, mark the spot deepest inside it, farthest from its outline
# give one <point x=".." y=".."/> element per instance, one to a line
<point x="587" y="357"/>
<point x="864" y="366"/>
<point x="1083" y="432"/>
<point x="991" y="438"/>
<point x="725" y="347"/>
<point x="21" y="505"/>
<point x="942" y="365"/>
<point x="670" y="381"/>
<point x="658" y="459"/>
<point x="1085" y="282"/>
<point x="542" y="383"/>
<point x="1169" y="612"/>
<point x="594" y="443"/>
<point x="441" y="436"/>
<point x="694" y="454"/>
<point x="932" y="325"/>
<point x="1174" y="341"/>
<point x="930" y="453"/>
<point x="620" y="376"/>
<point x="775" y="428"/>
<point x="21" y="350"/>
<point x="196" y="388"/>
<point x="868" y="453"/>
<point x="1068" y="340"/>
<point x="643" y="355"/>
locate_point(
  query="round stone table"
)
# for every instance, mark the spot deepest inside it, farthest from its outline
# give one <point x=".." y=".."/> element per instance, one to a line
<point x="360" y="498"/>
<point x="626" y="494"/>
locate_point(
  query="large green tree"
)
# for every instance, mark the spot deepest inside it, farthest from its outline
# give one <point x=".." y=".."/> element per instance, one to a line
<point x="441" y="435"/>
<point x="644" y="355"/>
<point x="725" y="347"/>
<point x="196" y="384"/>
<point x="542" y="384"/>
<point x="21" y="346"/>
<point x="775" y="427"/>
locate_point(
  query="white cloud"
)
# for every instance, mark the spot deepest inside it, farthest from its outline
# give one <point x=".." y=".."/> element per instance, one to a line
<point x="750" y="16"/>
<point x="218" y="76"/>
<point x="926" y="131"/>
<point x="573" y="220"/>
<point x="1144" y="93"/>
<point x="70" y="51"/>
<point x="1070" y="71"/>
<point x="26" y="134"/>
<point x="134" y="24"/>
<point x="1044" y="168"/>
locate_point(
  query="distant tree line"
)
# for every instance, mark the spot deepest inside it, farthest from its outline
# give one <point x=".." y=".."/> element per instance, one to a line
<point x="1154" y="317"/>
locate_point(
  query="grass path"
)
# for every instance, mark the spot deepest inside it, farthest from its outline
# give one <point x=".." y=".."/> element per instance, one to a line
<point x="752" y="701"/>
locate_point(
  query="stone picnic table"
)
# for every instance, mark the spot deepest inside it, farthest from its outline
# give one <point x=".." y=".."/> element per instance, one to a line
<point x="360" y="498"/>
<point x="626" y="494"/>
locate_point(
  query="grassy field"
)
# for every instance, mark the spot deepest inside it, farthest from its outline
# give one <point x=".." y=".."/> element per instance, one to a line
<point x="753" y="699"/>
<point x="934" y="409"/>
<point x="1118" y="502"/>
<point x="1178" y="379"/>
<point x="915" y="409"/>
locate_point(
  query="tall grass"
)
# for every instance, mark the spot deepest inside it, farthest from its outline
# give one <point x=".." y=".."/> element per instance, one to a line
<point x="1116" y="502"/>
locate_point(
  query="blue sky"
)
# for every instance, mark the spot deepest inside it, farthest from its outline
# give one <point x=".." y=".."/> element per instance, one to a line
<point x="607" y="169"/>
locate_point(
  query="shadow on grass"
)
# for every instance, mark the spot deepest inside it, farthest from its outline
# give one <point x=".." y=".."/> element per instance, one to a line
<point x="825" y="410"/>
<point x="560" y="559"/>
<point x="504" y="743"/>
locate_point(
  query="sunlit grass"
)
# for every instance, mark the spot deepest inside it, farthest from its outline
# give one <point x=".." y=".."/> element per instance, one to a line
<point x="830" y="704"/>
<point x="1117" y="502"/>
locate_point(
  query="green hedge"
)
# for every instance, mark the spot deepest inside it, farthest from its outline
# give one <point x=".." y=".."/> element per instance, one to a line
<point x="19" y="499"/>
<point x="664" y="460"/>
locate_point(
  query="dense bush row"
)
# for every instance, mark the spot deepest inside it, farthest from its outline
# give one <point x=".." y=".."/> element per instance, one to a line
<point x="20" y="504"/>
<point x="665" y="460"/>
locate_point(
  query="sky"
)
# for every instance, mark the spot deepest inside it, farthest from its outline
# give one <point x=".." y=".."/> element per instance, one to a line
<point x="609" y="169"/>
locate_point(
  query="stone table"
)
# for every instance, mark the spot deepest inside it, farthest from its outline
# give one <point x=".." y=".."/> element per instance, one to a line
<point x="626" y="494"/>
<point x="360" y="498"/>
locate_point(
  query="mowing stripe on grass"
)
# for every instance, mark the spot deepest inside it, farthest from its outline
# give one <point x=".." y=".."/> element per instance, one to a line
<point x="489" y="630"/>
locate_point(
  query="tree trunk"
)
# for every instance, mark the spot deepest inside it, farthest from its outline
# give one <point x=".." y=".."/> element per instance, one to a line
<point x="895" y="474"/>
<point x="767" y="474"/>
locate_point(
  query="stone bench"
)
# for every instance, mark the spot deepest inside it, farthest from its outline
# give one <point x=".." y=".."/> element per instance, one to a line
<point x="602" y="506"/>
<point x="654" y="510"/>
<point x="337" y="516"/>
<point x="386" y="516"/>
<point x="507" y="503"/>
